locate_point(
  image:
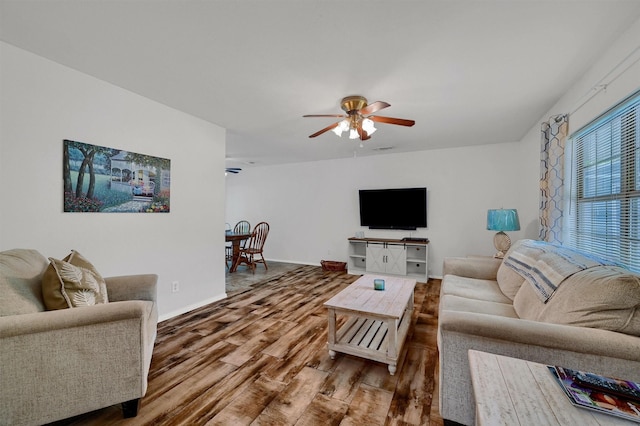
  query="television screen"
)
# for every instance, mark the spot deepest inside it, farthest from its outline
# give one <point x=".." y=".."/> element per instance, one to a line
<point x="401" y="208"/>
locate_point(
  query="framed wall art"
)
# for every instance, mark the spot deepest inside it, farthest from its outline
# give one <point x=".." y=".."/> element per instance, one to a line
<point x="110" y="180"/>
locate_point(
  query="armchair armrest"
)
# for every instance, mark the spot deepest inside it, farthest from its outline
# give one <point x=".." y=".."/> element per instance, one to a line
<point x="484" y="268"/>
<point x="132" y="287"/>
<point x="69" y="319"/>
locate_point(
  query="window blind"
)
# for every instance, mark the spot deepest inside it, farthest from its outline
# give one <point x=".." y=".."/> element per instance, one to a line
<point x="604" y="211"/>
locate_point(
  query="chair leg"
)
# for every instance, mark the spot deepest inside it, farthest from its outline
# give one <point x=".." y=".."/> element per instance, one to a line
<point x="130" y="408"/>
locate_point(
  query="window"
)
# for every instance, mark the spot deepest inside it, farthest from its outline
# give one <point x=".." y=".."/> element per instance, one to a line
<point x="604" y="201"/>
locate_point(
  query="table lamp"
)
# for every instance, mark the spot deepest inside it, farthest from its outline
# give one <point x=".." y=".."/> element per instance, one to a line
<point x="502" y="220"/>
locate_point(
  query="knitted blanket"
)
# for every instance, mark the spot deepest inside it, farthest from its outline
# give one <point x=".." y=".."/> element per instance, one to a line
<point x="545" y="266"/>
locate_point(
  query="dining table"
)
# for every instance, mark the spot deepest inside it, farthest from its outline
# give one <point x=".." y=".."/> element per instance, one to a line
<point x="236" y="239"/>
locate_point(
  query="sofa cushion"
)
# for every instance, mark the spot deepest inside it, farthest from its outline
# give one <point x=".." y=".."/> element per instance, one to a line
<point x="604" y="297"/>
<point x="72" y="282"/>
<point x="20" y="282"/>
<point x="473" y="288"/>
<point x="527" y="304"/>
<point x="546" y="266"/>
<point x="509" y="280"/>
<point x="462" y="304"/>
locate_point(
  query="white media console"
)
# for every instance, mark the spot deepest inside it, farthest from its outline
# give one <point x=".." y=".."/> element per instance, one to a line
<point x="406" y="258"/>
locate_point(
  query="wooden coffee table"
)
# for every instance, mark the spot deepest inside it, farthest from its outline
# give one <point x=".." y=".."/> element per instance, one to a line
<point x="377" y="321"/>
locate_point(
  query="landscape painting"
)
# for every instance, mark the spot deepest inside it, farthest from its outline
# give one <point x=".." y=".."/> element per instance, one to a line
<point x="109" y="180"/>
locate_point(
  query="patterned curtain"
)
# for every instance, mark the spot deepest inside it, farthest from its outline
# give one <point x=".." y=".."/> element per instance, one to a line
<point x="554" y="134"/>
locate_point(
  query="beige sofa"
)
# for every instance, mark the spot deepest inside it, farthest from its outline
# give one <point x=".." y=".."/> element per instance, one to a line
<point x="590" y="322"/>
<point x="61" y="363"/>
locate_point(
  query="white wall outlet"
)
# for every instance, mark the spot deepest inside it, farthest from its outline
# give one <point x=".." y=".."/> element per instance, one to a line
<point x="175" y="287"/>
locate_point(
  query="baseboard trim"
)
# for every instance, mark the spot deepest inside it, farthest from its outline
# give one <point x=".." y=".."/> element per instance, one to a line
<point x="295" y="262"/>
<point x="190" y="308"/>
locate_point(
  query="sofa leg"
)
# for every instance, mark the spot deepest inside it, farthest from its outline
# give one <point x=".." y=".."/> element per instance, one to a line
<point x="130" y="408"/>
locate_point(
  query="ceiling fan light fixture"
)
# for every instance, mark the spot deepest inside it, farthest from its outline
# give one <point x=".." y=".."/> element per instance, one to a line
<point x="367" y="126"/>
<point x="359" y="119"/>
<point x="343" y="126"/>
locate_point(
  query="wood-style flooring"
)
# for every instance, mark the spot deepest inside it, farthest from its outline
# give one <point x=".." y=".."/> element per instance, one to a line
<point x="259" y="357"/>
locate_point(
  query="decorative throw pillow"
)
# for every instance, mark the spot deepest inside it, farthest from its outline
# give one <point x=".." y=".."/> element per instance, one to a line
<point x="72" y="282"/>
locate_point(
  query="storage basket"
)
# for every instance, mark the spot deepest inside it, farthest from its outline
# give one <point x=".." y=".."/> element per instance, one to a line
<point x="333" y="266"/>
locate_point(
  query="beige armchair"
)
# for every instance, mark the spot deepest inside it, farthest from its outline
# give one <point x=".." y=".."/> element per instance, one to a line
<point x="58" y="364"/>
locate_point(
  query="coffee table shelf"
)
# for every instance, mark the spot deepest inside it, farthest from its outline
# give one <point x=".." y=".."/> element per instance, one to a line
<point x="368" y="337"/>
<point x="377" y="322"/>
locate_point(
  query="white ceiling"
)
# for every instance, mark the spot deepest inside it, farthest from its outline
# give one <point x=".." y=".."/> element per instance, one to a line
<point x="468" y="72"/>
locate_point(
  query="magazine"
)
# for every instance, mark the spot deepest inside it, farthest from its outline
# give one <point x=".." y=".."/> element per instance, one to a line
<point x="595" y="399"/>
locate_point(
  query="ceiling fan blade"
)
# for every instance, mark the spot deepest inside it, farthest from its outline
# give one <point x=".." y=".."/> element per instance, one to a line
<point x="391" y="120"/>
<point x="325" y="115"/>
<point x="376" y="106"/>
<point x="326" y="129"/>
<point x="363" y="134"/>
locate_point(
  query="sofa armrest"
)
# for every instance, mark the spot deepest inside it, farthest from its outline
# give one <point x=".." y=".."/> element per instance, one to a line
<point x="483" y="268"/>
<point x="132" y="287"/>
<point x="545" y="335"/>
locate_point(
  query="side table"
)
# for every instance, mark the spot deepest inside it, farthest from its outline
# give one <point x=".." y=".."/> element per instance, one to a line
<point x="511" y="391"/>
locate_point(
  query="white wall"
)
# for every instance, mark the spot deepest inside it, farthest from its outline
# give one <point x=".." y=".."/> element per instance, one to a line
<point x="312" y="207"/>
<point x="43" y="103"/>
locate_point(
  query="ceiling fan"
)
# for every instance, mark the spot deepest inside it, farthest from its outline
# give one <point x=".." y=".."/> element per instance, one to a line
<point x="359" y="119"/>
<point x="232" y="170"/>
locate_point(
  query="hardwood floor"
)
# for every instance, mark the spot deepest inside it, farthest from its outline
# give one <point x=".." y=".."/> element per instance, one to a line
<point x="259" y="357"/>
<point x="243" y="278"/>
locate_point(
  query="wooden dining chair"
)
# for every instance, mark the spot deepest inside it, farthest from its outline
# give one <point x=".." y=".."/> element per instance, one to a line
<point x="255" y="246"/>
<point x="242" y="227"/>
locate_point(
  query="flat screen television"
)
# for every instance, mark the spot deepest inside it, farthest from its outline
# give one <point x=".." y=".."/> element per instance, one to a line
<point x="399" y="208"/>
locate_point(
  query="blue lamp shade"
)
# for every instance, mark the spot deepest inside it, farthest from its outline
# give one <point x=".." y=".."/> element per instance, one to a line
<point x="503" y="220"/>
